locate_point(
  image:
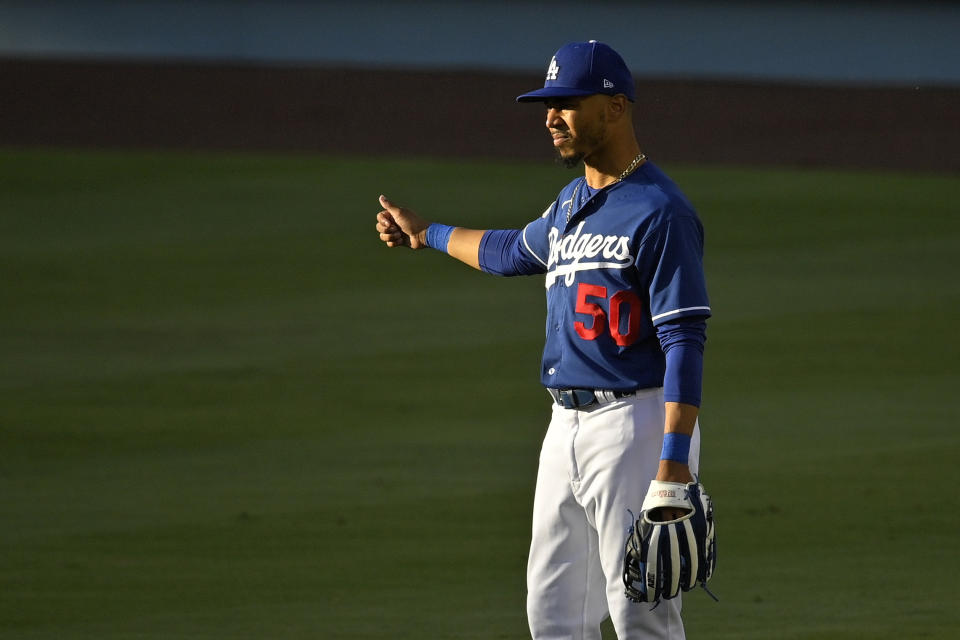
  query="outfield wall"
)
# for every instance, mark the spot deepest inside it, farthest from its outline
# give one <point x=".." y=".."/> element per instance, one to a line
<point x="318" y="109"/>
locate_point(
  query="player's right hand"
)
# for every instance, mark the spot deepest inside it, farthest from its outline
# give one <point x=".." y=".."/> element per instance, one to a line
<point x="400" y="227"/>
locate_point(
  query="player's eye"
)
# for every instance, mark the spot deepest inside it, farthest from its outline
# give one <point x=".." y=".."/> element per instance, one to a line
<point x="562" y="105"/>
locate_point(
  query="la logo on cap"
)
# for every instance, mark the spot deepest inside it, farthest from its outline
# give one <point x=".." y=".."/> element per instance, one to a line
<point x="553" y="69"/>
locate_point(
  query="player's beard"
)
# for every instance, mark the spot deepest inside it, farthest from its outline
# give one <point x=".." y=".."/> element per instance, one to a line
<point x="590" y="139"/>
<point x="570" y="161"/>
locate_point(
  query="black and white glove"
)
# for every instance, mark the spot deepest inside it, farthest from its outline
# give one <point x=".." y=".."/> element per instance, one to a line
<point x="661" y="559"/>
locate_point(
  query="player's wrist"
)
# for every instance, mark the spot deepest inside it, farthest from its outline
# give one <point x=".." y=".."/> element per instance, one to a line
<point x="437" y="236"/>
<point x="670" y="471"/>
<point x="676" y="447"/>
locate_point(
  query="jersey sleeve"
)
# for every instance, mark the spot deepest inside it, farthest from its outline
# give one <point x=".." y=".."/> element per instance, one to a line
<point x="515" y="252"/>
<point x="673" y="258"/>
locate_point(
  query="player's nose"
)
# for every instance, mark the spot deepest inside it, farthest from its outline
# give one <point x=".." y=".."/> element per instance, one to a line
<point x="553" y="118"/>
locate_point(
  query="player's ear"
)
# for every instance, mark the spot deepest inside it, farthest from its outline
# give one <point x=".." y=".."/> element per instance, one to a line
<point x="618" y="107"/>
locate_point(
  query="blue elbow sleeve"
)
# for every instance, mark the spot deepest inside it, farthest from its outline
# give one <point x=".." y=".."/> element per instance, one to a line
<point x="682" y="342"/>
<point x="497" y="252"/>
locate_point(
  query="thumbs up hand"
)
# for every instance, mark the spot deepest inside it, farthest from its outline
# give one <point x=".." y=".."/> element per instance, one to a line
<point x="400" y="227"/>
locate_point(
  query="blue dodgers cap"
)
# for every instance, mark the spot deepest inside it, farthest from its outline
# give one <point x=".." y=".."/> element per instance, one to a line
<point x="583" y="69"/>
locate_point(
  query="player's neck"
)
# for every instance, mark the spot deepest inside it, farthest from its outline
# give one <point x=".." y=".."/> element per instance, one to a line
<point x="605" y="166"/>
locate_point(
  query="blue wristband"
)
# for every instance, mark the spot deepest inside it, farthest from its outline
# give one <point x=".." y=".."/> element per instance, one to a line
<point x="438" y="236"/>
<point x="676" y="447"/>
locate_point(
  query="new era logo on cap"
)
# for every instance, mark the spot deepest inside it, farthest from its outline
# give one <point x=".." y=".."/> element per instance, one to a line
<point x="582" y="69"/>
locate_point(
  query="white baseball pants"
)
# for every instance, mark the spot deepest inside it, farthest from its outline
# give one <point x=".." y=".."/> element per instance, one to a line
<point x="595" y="464"/>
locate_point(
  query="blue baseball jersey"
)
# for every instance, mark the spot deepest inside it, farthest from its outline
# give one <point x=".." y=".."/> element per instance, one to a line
<point x="619" y="261"/>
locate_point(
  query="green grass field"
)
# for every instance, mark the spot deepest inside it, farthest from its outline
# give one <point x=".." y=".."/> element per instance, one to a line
<point x="227" y="412"/>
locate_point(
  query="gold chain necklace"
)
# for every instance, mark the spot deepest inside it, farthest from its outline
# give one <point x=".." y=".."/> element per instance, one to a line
<point x="630" y="169"/>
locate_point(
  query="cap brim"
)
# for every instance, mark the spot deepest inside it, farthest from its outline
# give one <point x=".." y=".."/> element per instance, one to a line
<point x="553" y="92"/>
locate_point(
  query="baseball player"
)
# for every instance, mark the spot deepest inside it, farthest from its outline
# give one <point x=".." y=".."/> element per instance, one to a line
<point x="621" y="249"/>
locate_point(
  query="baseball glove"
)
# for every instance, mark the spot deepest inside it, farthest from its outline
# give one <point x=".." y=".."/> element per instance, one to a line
<point x="663" y="558"/>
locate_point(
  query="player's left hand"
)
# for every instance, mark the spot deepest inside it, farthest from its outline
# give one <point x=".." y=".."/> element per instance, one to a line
<point x="663" y="558"/>
<point x="671" y="471"/>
